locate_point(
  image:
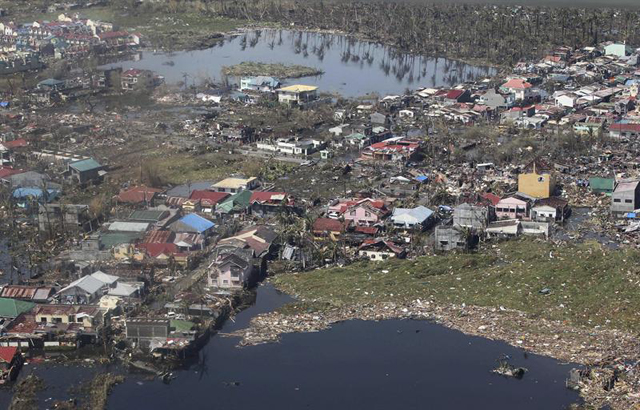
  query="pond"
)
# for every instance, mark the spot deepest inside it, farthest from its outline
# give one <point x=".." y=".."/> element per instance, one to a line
<point x="356" y="364"/>
<point x="351" y="68"/>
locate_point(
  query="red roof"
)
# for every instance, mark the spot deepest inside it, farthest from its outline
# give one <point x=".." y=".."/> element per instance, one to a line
<point x="158" y="237"/>
<point x="7" y="354"/>
<point x="21" y="142"/>
<point x="454" y="94"/>
<point x="395" y="145"/>
<point x="625" y="127"/>
<point x="327" y="225"/>
<point x="6" y="172"/>
<point x="516" y="84"/>
<point x="367" y="230"/>
<point x="208" y="197"/>
<point x="156" y="249"/>
<point x="268" y="197"/>
<point x="137" y="194"/>
<point x="132" y="72"/>
<point x="493" y="198"/>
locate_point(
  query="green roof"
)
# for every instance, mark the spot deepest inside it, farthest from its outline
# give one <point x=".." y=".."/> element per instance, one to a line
<point x="111" y="239"/>
<point x="237" y="201"/>
<point x="601" y="184"/>
<point x="85" y="165"/>
<point x="181" y="325"/>
<point x="13" y="308"/>
<point x="148" y="216"/>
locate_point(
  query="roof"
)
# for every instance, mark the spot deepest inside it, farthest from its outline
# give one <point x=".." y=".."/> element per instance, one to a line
<point x="119" y="226"/>
<point x="328" y="225"/>
<point x="517" y="83"/>
<point x="262" y="81"/>
<point x="50" y="82"/>
<point x="111" y="239"/>
<point x="20" y="193"/>
<point x="601" y="183"/>
<point x="554" y="202"/>
<point x="298" y="88"/>
<point x="103" y="277"/>
<point x="13" y="308"/>
<point x="147" y="215"/>
<point x="233" y="183"/>
<point x="626" y="186"/>
<point x="493" y="198"/>
<point x="89" y="284"/>
<point x="158" y="237"/>
<point x="232" y="258"/>
<point x="240" y="200"/>
<point x="259" y="238"/>
<point x="20" y="142"/>
<point x="26" y="292"/>
<point x="8" y="171"/>
<point x="625" y="127"/>
<point x="85" y="165"/>
<point x="156" y="249"/>
<point x="197" y="222"/>
<point x="208" y="197"/>
<point x="137" y="194"/>
<point x="418" y="214"/>
<point x="381" y="244"/>
<point x="454" y="94"/>
<point x="7" y="353"/>
<point x="268" y="197"/>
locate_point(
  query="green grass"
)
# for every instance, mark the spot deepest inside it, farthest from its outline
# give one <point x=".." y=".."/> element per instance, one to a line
<point x="589" y="285"/>
<point x="158" y="26"/>
<point x="183" y="167"/>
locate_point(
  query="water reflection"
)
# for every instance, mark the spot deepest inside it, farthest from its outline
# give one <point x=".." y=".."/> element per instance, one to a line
<point x="351" y="67"/>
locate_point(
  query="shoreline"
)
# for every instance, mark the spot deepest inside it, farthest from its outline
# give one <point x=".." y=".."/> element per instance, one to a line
<point x="604" y="352"/>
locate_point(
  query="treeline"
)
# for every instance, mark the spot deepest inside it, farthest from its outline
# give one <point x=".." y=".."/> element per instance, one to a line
<point x="498" y="34"/>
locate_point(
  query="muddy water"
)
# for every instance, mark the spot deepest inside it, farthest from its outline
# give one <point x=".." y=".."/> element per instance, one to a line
<point x="351" y="68"/>
<point x="375" y="365"/>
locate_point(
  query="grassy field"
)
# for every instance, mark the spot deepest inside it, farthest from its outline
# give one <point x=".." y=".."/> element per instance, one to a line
<point x="588" y="285"/>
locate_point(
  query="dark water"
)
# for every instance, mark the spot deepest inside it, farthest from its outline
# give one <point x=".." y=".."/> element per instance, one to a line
<point x="395" y="364"/>
<point x="351" y="68"/>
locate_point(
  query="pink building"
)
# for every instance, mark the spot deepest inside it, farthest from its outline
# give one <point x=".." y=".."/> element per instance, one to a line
<point x="364" y="212"/>
<point x="512" y="208"/>
<point x="231" y="272"/>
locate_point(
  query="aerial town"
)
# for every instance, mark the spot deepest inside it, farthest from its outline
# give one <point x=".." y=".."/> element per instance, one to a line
<point x="142" y="214"/>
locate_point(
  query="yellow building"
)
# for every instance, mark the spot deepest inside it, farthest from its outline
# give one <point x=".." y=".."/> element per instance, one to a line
<point x="537" y="180"/>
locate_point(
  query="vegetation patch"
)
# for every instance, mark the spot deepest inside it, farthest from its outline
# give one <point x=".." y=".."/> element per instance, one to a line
<point x="583" y="284"/>
<point x="277" y="70"/>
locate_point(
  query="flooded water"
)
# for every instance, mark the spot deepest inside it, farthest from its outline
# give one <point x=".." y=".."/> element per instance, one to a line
<point x="351" y="68"/>
<point x="375" y="365"/>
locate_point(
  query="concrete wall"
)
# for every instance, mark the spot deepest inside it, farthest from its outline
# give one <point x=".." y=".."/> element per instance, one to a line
<point x="536" y="185"/>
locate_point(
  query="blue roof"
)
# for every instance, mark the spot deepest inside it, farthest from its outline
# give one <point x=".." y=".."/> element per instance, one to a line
<point x="422" y="178"/>
<point x="35" y="193"/>
<point x="197" y="222"/>
<point x="85" y="165"/>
